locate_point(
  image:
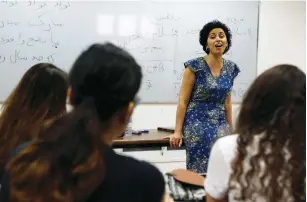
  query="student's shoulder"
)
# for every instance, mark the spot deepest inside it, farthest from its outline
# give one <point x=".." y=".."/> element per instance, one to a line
<point x="145" y="176"/>
<point x="144" y="169"/>
<point x="228" y="141"/>
<point x="226" y="145"/>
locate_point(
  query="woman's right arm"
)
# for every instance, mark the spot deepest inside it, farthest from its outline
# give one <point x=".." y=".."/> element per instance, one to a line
<point x="184" y="98"/>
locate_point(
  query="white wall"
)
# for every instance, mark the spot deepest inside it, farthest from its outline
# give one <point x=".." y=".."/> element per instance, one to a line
<point x="282" y="34"/>
<point x="282" y="39"/>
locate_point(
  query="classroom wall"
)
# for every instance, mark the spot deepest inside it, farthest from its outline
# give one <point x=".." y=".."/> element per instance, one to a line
<point x="282" y="39"/>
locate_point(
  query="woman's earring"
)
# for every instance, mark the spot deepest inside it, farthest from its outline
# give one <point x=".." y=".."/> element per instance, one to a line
<point x="207" y="49"/>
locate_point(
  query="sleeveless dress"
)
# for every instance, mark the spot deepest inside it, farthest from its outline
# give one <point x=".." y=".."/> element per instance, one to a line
<point x="205" y="118"/>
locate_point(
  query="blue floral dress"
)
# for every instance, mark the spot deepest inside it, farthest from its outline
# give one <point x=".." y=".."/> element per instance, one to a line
<point x="205" y="118"/>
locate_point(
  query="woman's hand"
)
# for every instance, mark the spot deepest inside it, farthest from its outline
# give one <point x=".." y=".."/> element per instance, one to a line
<point x="175" y="140"/>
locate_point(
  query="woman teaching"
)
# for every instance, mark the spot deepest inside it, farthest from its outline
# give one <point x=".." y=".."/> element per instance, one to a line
<point x="204" y="110"/>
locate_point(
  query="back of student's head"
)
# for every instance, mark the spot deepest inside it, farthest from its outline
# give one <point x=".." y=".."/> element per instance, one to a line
<point x="107" y="76"/>
<point x="67" y="164"/>
<point x="39" y="97"/>
<point x="273" y="110"/>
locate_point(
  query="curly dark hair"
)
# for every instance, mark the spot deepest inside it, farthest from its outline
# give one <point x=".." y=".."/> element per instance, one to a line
<point x="204" y="34"/>
<point x="273" y="110"/>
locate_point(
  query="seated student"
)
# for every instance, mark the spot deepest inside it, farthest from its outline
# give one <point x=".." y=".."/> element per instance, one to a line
<point x="74" y="161"/>
<point x="266" y="161"/>
<point x="39" y="97"/>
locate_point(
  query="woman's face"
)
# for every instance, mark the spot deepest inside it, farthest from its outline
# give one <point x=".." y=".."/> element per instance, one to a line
<point x="217" y="41"/>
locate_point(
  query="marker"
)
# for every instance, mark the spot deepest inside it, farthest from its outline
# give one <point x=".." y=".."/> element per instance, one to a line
<point x="139" y="132"/>
<point x="135" y="132"/>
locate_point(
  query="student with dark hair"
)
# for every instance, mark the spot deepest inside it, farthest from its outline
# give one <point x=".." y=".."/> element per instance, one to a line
<point x="37" y="100"/>
<point x="73" y="160"/>
<point x="204" y="110"/>
<point x="266" y="161"/>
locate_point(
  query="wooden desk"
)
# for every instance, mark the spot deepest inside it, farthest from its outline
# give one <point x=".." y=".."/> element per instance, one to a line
<point x="153" y="137"/>
<point x="154" y="140"/>
<point x="152" y="147"/>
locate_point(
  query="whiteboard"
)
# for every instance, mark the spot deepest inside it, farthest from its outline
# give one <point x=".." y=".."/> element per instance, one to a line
<point x="161" y="35"/>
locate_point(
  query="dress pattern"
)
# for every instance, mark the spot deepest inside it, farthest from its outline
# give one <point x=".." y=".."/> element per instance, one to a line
<point x="205" y="118"/>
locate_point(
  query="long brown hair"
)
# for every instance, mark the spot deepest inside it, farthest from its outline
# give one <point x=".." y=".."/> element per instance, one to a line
<point x="272" y="112"/>
<point x="66" y="163"/>
<point x="39" y="96"/>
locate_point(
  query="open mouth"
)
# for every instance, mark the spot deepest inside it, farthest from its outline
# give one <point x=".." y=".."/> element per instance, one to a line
<point x="218" y="45"/>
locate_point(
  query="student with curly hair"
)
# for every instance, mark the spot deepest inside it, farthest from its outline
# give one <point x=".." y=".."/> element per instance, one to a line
<point x="73" y="160"/>
<point x="204" y="110"/>
<point x="266" y="161"/>
<point x="39" y="98"/>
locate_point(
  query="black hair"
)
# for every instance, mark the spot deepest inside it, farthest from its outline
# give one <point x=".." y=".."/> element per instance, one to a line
<point x="104" y="79"/>
<point x="204" y="34"/>
<point x="108" y="75"/>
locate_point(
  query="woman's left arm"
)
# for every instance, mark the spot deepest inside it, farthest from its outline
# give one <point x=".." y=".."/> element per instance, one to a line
<point x="228" y="109"/>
